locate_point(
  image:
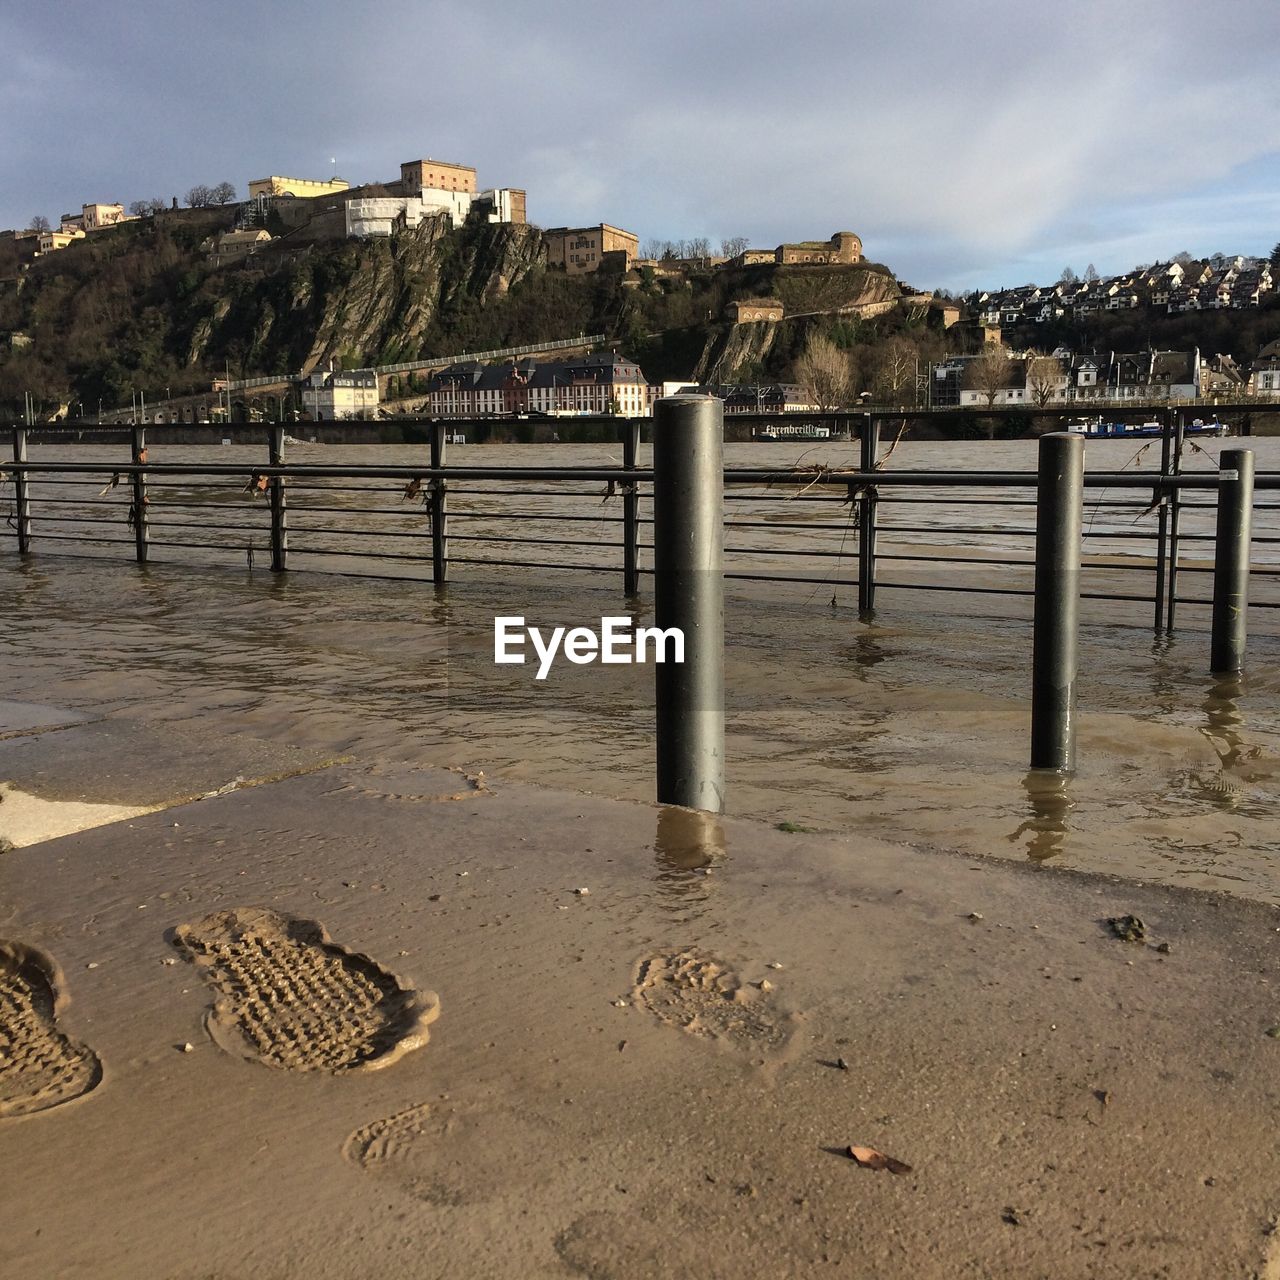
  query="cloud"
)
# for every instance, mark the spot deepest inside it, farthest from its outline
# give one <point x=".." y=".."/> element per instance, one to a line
<point x="954" y="139"/>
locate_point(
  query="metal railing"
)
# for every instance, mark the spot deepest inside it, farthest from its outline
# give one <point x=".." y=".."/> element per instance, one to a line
<point x="1148" y="539"/>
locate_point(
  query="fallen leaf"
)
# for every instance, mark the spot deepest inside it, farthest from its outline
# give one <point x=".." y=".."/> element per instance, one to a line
<point x="870" y="1158"/>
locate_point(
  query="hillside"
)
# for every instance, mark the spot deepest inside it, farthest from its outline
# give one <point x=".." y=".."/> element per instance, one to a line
<point x="141" y="308"/>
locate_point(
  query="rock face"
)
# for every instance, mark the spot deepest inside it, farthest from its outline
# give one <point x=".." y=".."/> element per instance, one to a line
<point x="371" y="302"/>
<point x="736" y="351"/>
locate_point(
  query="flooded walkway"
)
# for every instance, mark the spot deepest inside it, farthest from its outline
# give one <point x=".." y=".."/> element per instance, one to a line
<point x="914" y="728"/>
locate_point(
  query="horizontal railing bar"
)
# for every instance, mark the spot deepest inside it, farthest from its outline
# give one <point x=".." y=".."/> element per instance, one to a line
<point x="38" y="536"/>
<point x="943" y="479"/>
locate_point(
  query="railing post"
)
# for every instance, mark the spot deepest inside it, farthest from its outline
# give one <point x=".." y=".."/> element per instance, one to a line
<point x="439" y="508"/>
<point x="1231" y="562"/>
<point x="138" y="511"/>
<point x="688" y="537"/>
<point x="630" y="511"/>
<point x="1059" y="520"/>
<point x="279" y="502"/>
<point x="21" y="492"/>
<point x="1175" y="518"/>
<point x="870" y="441"/>
<point x="1162" y="527"/>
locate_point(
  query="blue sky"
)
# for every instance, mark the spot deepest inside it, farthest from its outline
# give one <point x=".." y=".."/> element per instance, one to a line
<point x="967" y="143"/>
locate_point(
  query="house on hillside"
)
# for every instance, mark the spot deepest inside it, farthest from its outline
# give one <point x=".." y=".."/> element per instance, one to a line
<point x="593" y="385"/>
<point x="754" y="310"/>
<point x="332" y="395"/>
<point x="1264" y="377"/>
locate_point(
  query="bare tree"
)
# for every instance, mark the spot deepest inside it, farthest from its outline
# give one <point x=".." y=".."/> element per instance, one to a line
<point x="731" y="246"/>
<point x="989" y="373"/>
<point x="38" y="223"/>
<point x="200" y="197"/>
<point x="1068" y="276"/>
<point x="1091" y="273"/>
<point x="895" y="372"/>
<point x="1044" y="378"/>
<point x="223" y="193"/>
<point x="699" y="250"/>
<point x="653" y="249"/>
<point x="825" y="372"/>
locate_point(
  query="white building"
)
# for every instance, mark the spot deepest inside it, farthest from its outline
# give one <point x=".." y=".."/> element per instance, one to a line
<point x="329" y="395"/>
<point x="384" y="215"/>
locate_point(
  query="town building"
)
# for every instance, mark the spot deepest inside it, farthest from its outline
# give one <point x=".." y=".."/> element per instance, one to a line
<point x="593" y="385"/>
<point x="232" y="246"/>
<point x="330" y="395"/>
<point x="52" y="241"/>
<point x="298" y="187"/>
<point x="1264" y="379"/>
<point x="93" y="217"/>
<point x="741" y="397"/>
<point x="754" y="310"/>
<point x="375" y="216"/>
<point x="580" y="250"/>
<point x="967" y="381"/>
<point x="843" y="248"/>
<point x="417" y="176"/>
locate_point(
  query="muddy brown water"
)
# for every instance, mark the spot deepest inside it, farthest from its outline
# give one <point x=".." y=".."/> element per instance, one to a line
<point x="912" y="726"/>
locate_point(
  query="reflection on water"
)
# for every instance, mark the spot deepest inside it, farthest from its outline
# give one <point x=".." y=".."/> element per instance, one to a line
<point x="1224" y="720"/>
<point x="687" y="846"/>
<point x="1049" y="795"/>
<point x="868" y="650"/>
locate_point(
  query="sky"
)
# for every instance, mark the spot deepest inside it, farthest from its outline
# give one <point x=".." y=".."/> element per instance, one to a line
<point x="970" y="143"/>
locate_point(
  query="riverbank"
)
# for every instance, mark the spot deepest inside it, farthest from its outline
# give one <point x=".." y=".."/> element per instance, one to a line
<point x="644" y="1079"/>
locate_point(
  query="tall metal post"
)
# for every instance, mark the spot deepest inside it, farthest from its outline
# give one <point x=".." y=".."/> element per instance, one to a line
<point x="688" y="537"/>
<point x="1162" y="526"/>
<point x="138" y="511"/>
<point x="1231" y="562"/>
<point x="279" y="502"/>
<point x="630" y="511"/>
<point x="439" y="508"/>
<point x="1059" y="520"/>
<point x="1175" y="517"/>
<point x="867" y="519"/>
<point x="22" y="492"/>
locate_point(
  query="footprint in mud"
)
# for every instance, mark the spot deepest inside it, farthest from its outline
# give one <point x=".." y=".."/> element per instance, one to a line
<point x="451" y="1154"/>
<point x="39" y="1066"/>
<point x="699" y="994"/>
<point x="288" y="996"/>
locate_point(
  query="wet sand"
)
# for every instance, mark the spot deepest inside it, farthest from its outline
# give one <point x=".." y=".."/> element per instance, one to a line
<point x="640" y="1080"/>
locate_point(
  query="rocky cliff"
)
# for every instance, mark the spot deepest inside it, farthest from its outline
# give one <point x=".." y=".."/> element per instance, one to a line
<point x="145" y="307"/>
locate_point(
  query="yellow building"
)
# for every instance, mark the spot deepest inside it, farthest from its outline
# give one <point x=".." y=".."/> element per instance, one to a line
<point x="96" y="216"/>
<point x="304" y="187"/>
<point x="51" y="241"/>
<point x="579" y="250"/>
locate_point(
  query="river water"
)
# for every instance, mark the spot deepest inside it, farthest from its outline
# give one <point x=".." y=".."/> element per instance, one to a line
<point x="910" y="726"/>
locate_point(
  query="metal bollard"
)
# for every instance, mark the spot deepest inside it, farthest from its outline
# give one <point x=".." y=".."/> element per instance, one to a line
<point x="1059" y="520"/>
<point x="439" y="504"/>
<point x="688" y="537"/>
<point x="21" y="493"/>
<point x="867" y="521"/>
<point x="630" y="511"/>
<point x="279" y="503"/>
<point x="1231" y="562"/>
<point x="138" y="511"/>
